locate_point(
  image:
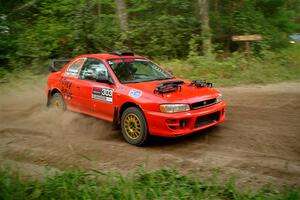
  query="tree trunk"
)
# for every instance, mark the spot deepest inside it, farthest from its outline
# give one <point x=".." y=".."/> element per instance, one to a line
<point x="121" y="11"/>
<point x="204" y="18"/>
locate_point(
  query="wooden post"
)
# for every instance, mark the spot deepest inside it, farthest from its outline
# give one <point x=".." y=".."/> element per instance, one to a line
<point x="247" y="39"/>
<point x="247" y="49"/>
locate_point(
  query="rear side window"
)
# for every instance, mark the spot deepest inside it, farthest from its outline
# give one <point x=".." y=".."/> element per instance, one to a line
<point x="92" y="69"/>
<point x="73" y="70"/>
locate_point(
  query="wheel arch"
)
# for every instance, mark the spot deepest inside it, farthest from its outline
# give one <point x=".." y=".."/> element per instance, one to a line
<point x="51" y="93"/>
<point x="125" y="106"/>
<point x="119" y="111"/>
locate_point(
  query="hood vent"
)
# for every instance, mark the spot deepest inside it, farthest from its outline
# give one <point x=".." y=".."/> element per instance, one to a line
<point x="200" y="83"/>
<point x="169" y="86"/>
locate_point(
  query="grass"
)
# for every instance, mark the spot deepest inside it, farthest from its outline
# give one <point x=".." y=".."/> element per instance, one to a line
<point x="160" y="184"/>
<point x="17" y="79"/>
<point x="237" y="69"/>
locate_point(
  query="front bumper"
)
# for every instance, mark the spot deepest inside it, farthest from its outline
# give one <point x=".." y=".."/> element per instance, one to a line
<point x="183" y="123"/>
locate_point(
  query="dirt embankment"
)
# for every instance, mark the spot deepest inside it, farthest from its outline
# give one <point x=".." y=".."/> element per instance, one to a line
<point x="259" y="143"/>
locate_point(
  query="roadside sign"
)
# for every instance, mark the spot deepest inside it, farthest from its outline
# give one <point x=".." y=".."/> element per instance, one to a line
<point x="246" y="37"/>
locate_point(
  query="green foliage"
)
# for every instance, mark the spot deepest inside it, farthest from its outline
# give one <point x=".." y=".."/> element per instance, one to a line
<point x="160" y="184"/>
<point x="33" y="31"/>
<point x="271" y="18"/>
<point x="161" y="28"/>
<point x="283" y="65"/>
<point x="237" y="69"/>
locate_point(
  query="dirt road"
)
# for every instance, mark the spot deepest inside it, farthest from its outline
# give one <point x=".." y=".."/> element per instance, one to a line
<point x="259" y="143"/>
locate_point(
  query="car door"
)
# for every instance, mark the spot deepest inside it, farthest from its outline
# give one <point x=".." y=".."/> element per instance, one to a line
<point x="69" y="84"/>
<point x="98" y="97"/>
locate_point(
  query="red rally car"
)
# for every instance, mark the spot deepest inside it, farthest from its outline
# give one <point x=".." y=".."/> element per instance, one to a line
<point x="136" y="95"/>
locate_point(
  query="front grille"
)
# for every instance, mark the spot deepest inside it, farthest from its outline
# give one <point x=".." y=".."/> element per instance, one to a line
<point x="207" y="119"/>
<point x="202" y="104"/>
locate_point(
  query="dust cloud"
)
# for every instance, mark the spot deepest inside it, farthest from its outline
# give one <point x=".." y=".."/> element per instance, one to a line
<point x="25" y="110"/>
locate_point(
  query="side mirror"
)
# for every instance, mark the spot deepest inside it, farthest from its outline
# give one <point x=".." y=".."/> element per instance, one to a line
<point x="104" y="79"/>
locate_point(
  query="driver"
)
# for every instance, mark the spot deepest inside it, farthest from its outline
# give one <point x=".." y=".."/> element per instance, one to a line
<point x="125" y="71"/>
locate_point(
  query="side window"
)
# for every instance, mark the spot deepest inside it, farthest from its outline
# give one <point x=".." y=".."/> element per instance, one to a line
<point x="74" y="68"/>
<point x="92" y="69"/>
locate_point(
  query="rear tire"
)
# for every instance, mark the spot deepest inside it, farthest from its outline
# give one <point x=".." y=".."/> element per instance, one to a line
<point x="134" y="126"/>
<point x="57" y="102"/>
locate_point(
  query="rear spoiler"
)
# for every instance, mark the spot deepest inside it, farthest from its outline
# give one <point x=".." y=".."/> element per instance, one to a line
<point x="58" y="64"/>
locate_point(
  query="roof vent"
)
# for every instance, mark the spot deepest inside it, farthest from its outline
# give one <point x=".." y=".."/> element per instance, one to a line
<point x="122" y="53"/>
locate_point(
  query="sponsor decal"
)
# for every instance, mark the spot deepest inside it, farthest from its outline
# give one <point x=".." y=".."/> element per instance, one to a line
<point x="102" y="94"/>
<point x="135" y="93"/>
<point x="66" y="88"/>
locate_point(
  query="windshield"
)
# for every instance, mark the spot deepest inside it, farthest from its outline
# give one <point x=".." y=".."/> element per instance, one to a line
<point x="134" y="70"/>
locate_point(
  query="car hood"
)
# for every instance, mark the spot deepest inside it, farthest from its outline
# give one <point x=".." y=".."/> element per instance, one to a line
<point x="187" y="94"/>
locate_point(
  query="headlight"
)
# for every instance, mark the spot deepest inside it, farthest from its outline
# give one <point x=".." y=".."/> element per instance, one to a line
<point x="219" y="98"/>
<point x="173" y="108"/>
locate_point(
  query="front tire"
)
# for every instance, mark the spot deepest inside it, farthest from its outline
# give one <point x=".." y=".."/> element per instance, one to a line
<point x="134" y="126"/>
<point x="57" y="102"/>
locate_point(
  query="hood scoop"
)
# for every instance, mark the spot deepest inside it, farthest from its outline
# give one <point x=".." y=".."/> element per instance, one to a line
<point x="169" y="86"/>
<point x="200" y="83"/>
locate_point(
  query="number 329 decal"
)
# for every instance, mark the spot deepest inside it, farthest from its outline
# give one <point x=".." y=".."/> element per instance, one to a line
<point x="102" y="94"/>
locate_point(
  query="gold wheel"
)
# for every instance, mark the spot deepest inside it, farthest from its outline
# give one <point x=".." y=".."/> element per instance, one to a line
<point x="132" y="125"/>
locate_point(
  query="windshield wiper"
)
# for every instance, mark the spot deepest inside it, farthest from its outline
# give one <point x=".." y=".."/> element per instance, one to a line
<point x="132" y="82"/>
<point x="147" y="80"/>
<point x="138" y="81"/>
<point x="160" y="79"/>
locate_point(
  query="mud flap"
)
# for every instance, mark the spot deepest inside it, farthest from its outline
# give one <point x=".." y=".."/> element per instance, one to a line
<point x="115" y="124"/>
